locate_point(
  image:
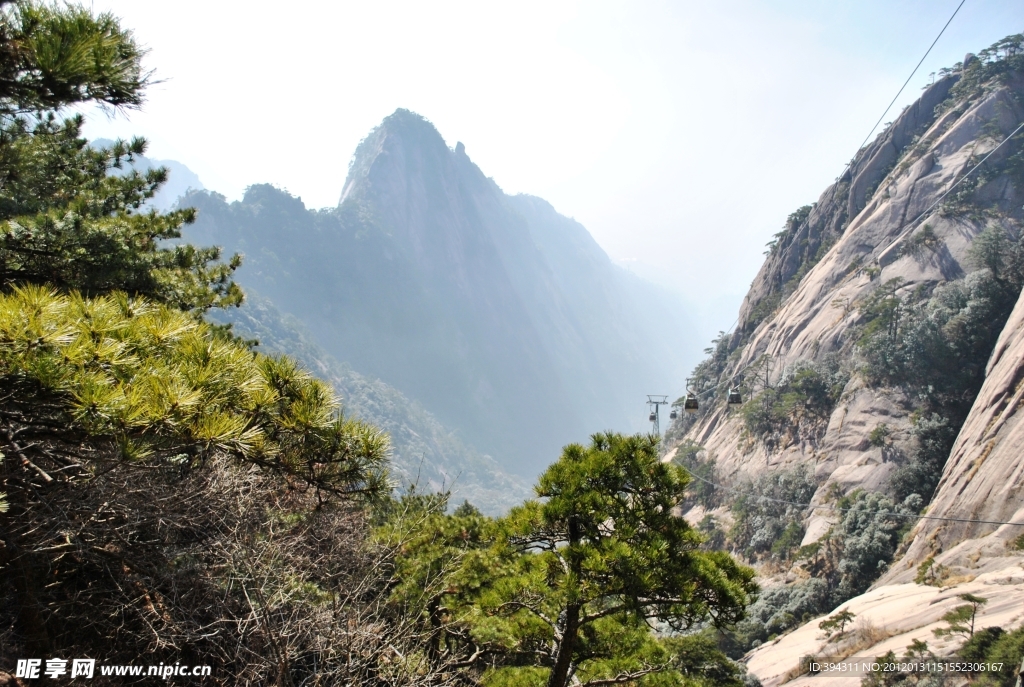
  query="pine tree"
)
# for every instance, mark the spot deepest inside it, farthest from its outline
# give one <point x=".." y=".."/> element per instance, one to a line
<point x="563" y="590"/>
<point x="65" y="219"/>
<point x="107" y="369"/>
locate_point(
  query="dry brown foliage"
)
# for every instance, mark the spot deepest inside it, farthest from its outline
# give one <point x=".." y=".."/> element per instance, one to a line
<point x="209" y="562"/>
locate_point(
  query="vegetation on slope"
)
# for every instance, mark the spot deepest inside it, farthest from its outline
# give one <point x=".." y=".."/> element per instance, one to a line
<point x="424" y="453"/>
<point x="767" y="516"/>
<point x="932" y="343"/>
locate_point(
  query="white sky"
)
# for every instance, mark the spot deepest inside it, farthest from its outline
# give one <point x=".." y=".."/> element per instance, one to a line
<point x="680" y="134"/>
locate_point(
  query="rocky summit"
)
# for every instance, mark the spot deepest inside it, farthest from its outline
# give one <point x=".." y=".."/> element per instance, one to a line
<point x="500" y="316"/>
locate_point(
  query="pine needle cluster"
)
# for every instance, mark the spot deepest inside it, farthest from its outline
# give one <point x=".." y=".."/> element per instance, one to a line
<point x="156" y="381"/>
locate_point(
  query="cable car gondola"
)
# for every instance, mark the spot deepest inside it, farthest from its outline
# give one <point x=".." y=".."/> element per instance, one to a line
<point x="734" y="398"/>
<point x="673" y="415"/>
<point x="690" y="404"/>
<point x="652" y="418"/>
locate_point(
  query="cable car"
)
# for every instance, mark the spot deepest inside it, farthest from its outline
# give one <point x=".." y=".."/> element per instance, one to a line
<point x="690" y="404"/>
<point x="734" y="397"/>
<point x="653" y="417"/>
<point x="673" y="415"/>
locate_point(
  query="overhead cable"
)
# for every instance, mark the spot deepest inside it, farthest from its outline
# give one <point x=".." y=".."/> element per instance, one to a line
<point x="951" y="188"/>
<point x="906" y="82"/>
<point x="866" y="138"/>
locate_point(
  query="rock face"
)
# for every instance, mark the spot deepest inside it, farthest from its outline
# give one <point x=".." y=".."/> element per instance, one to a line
<point x="501" y="317"/>
<point x="984" y="476"/>
<point x="814" y="232"/>
<point x="890" y="617"/>
<point x="800" y="308"/>
<point x="888" y="218"/>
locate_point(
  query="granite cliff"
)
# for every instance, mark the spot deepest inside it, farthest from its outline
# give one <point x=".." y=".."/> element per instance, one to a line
<point x="880" y="355"/>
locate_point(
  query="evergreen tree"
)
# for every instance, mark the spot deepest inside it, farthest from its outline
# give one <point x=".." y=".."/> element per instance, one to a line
<point x="564" y="589"/>
<point x="65" y="218"/>
<point x="960" y="621"/>
<point x="606" y="544"/>
<point x="108" y="372"/>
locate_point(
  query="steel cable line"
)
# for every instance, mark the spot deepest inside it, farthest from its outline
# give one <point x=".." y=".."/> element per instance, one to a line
<point x="920" y="216"/>
<point x="896" y="97"/>
<point x="909" y="228"/>
<point x="850" y="164"/>
<point x="913" y="223"/>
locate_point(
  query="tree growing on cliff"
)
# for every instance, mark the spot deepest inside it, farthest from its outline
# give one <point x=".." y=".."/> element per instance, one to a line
<point x="838" y="622"/>
<point x="960" y="621"/>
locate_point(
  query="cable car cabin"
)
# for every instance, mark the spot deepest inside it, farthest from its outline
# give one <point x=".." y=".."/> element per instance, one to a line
<point x="734" y="397"/>
<point x="690" y="404"/>
<point x="673" y="415"/>
<point x="652" y="418"/>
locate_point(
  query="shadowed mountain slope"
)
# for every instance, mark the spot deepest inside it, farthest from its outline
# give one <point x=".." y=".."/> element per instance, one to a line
<point x="424" y="453"/>
<point x="503" y="318"/>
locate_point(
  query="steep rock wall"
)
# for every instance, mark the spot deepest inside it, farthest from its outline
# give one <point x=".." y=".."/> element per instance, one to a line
<point x="800" y="309"/>
<point x="818" y="316"/>
<point x="982" y="479"/>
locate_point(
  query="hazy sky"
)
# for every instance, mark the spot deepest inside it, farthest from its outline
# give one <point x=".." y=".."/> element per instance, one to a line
<point x="680" y="134"/>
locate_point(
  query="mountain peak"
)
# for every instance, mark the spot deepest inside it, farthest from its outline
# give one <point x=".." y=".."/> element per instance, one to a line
<point x="402" y="135"/>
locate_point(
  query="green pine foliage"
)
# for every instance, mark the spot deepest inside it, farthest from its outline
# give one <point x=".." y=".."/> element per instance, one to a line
<point x="995" y="645"/>
<point x="837" y="622"/>
<point x="65" y="219"/>
<point x="154" y="381"/>
<point x="53" y="56"/>
<point x="161" y="481"/>
<point x="991" y="645"/>
<point x="566" y="586"/>
<point x="960" y="621"/>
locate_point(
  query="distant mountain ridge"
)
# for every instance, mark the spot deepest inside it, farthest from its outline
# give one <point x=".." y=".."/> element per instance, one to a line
<point x="425" y="455"/>
<point x="503" y="318"/>
<point x="180" y="179"/>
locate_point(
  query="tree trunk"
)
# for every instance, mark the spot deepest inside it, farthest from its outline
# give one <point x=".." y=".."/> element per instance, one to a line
<point x="563" y="659"/>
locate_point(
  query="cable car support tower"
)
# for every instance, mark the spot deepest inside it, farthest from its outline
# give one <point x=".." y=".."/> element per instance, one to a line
<point x="653" y="402"/>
